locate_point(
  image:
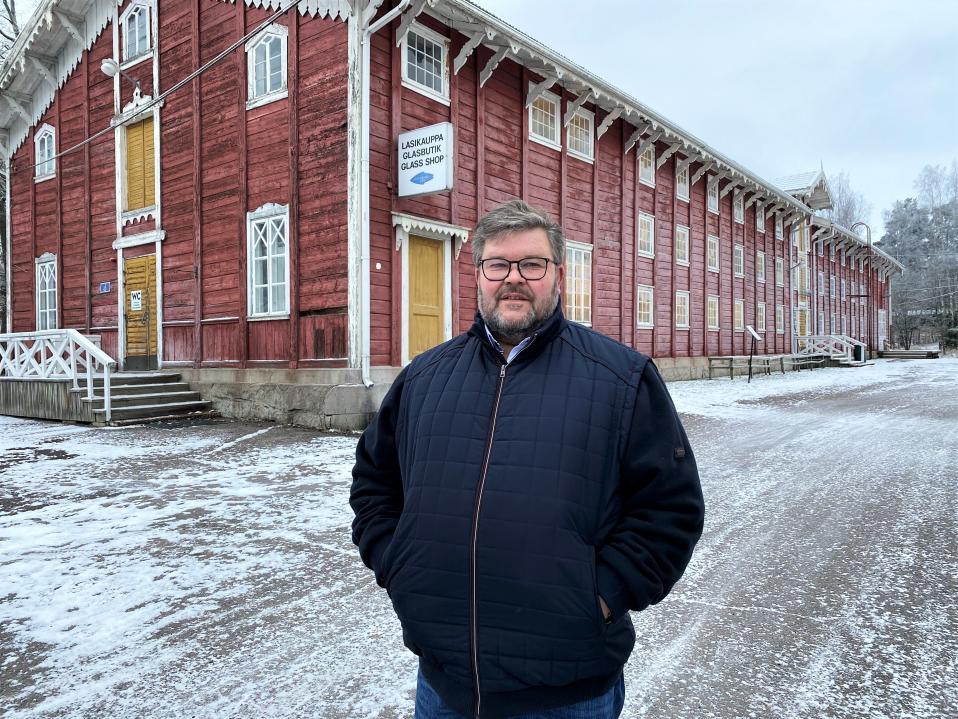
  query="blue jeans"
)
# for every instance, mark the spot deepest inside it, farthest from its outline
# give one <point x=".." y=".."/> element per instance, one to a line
<point x="429" y="705"/>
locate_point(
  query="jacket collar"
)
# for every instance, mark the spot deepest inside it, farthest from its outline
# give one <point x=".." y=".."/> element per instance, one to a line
<point x="544" y="335"/>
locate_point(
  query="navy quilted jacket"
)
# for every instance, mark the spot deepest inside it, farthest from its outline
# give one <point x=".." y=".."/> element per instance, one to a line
<point x="497" y="502"/>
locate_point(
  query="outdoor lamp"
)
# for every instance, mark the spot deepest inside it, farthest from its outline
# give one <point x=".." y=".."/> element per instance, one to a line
<point x="111" y="68"/>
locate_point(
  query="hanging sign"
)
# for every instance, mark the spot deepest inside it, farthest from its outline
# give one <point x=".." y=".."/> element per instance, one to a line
<point x="136" y="300"/>
<point x="425" y="160"/>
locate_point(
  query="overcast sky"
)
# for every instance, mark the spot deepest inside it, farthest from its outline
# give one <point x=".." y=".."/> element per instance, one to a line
<point x="869" y="87"/>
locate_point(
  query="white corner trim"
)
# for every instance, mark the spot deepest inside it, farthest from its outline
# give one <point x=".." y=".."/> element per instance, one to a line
<point x="405" y="224"/>
<point x="142" y="238"/>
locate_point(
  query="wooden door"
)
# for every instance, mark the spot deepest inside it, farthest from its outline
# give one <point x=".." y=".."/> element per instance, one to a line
<point x="802" y="323"/>
<point x="427" y="283"/>
<point x="139" y="316"/>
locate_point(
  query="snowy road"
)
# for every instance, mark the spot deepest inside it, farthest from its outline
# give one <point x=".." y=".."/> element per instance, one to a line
<point x="206" y="571"/>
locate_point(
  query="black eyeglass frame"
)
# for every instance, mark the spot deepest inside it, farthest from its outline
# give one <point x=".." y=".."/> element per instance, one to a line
<point x="482" y="267"/>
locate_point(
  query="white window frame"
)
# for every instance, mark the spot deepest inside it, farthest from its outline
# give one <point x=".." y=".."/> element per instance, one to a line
<point x="682" y="184"/>
<point x="45" y="153"/>
<point x="648" y="220"/>
<point x="682" y="320"/>
<point x="760" y="266"/>
<point x="681" y="231"/>
<point x="130" y="59"/>
<point x="779" y="272"/>
<point x="844" y="289"/>
<point x="738" y="260"/>
<point x="738" y="316"/>
<point x="266" y="214"/>
<point x="760" y="316"/>
<point x="821" y="249"/>
<point x="779" y="227"/>
<point x="574" y="312"/>
<point x="555" y="103"/>
<point x="821" y="283"/>
<point x="831" y="252"/>
<point x="713" y="244"/>
<point x="738" y="208"/>
<point x="252" y="99"/>
<point x="845" y="325"/>
<point x="589" y="117"/>
<point x="647" y="166"/>
<point x="759" y="217"/>
<point x="437" y="39"/>
<point x="833" y="325"/>
<point x="640" y="291"/>
<point x="779" y="319"/>
<point x="714" y="304"/>
<point x="843" y="256"/>
<point x="831" y="285"/>
<point x="46" y="271"/>
<point x="712" y="194"/>
<point x="822" y="329"/>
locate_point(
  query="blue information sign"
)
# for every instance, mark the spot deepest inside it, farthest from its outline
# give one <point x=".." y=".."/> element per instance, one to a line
<point x="104" y="288"/>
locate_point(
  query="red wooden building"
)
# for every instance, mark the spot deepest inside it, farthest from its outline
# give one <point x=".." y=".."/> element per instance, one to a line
<point x="215" y="187"/>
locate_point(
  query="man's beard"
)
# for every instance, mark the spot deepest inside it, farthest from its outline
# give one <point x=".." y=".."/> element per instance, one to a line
<point x="513" y="332"/>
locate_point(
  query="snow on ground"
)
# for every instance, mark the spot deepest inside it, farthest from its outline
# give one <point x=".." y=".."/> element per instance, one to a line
<point x="206" y="570"/>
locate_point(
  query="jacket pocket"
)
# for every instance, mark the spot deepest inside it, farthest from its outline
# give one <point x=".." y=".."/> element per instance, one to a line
<point x="600" y="617"/>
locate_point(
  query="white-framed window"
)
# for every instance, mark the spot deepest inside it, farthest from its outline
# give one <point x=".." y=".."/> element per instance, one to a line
<point x="45" y="147"/>
<point x="779" y="229"/>
<point x="644" y="306"/>
<point x="739" y="315"/>
<point x="578" y="282"/>
<point x="779" y="272"/>
<point x="266" y="62"/>
<point x="760" y="267"/>
<point x="739" y="260"/>
<point x="739" y="208"/>
<point x="712" y="254"/>
<point x="544" y="120"/>
<point x="821" y="249"/>
<point x="579" y="135"/>
<point x="682" y="184"/>
<point x="713" y="310"/>
<point x="46" y="292"/>
<point x="760" y="317"/>
<point x="843" y="257"/>
<point x="833" y="324"/>
<point x="268" y="261"/>
<point x="793" y="235"/>
<point x="136" y="24"/>
<point x="861" y="265"/>
<point x="831" y="285"/>
<point x="831" y="252"/>
<point x="844" y="291"/>
<point x="425" y="63"/>
<point x="821" y="283"/>
<point x="681" y="245"/>
<point x="713" y="194"/>
<point x="759" y="217"/>
<point x="647" y="167"/>
<point x="821" y="323"/>
<point x="682" y="309"/>
<point x="845" y="325"/>
<point x="779" y="319"/>
<point x="645" y="239"/>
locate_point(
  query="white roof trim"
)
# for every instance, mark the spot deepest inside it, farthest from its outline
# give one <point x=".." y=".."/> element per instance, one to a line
<point x="410" y="223"/>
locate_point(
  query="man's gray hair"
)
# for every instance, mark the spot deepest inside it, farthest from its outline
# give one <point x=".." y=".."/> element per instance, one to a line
<point x="516" y="216"/>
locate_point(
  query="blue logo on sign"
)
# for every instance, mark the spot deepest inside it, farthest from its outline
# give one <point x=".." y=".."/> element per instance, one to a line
<point x="422" y="178"/>
<point x="104" y="287"/>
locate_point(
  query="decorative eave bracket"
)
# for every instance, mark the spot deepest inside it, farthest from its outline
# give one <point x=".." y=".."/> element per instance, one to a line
<point x="404" y="224"/>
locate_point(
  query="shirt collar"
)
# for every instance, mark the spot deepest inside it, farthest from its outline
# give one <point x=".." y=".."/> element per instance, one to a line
<point x="515" y="350"/>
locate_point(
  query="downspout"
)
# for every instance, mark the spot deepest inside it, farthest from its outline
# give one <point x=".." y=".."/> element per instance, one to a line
<point x="8" y="248"/>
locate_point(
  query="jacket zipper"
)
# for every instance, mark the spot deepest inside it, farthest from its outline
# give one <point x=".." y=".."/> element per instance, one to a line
<point x="475" y="537"/>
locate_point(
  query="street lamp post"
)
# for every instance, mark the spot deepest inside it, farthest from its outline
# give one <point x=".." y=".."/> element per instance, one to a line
<point x="868" y="283"/>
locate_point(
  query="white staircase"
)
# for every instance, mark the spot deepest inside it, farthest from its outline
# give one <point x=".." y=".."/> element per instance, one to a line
<point x="840" y="349"/>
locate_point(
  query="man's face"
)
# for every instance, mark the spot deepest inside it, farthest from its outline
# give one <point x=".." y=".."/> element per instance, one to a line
<point x="514" y="306"/>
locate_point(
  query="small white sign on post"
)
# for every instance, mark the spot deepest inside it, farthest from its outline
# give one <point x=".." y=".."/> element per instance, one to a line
<point x="425" y="160"/>
<point x="136" y="300"/>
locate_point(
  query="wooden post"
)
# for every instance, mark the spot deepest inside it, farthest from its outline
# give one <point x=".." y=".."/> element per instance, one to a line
<point x="292" y="114"/>
<point x="88" y="214"/>
<point x="243" y="130"/>
<point x="197" y="193"/>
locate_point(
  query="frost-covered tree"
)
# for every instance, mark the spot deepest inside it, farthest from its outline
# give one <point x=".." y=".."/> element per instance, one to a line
<point x="848" y="206"/>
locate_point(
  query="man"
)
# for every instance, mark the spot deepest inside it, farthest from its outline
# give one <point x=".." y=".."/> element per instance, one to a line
<point x="522" y="488"/>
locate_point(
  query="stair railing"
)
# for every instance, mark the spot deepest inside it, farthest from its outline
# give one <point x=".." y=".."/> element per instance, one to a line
<point x="56" y="355"/>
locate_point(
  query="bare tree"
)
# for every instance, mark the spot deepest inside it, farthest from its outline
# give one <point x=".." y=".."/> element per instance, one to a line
<point x="9" y="26"/>
<point x="849" y="206"/>
<point x="9" y="29"/>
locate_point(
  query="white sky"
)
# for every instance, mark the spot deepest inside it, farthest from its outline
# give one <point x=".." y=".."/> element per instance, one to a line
<point x="869" y="87"/>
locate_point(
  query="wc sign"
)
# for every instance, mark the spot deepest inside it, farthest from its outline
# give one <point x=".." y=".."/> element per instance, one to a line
<point x="425" y="160"/>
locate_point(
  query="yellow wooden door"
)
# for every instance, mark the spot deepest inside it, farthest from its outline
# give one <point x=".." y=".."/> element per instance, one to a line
<point x="802" y="323"/>
<point x="140" y="169"/>
<point x="427" y="282"/>
<point x="139" y="284"/>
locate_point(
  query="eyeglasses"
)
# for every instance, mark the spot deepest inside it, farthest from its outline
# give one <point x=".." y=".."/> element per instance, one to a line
<point x="496" y="269"/>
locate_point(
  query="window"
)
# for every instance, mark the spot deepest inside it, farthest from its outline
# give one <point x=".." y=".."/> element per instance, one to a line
<point x="579" y="135"/>
<point x="268" y="266"/>
<point x="779" y="230"/>
<point x="739" y="207"/>
<point x="831" y="252"/>
<point x="844" y="295"/>
<point x="424" y="63"/>
<point x="578" y="282"/>
<point x="140" y="166"/>
<point x="739" y="259"/>
<point x="793" y="236"/>
<point x="833" y="324"/>
<point x="760" y="217"/>
<point x="821" y="283"/>
<point x="804" y="276"/>
<point x="645" y="243"/>
<point x="779" y="319"/>
<point x="45" y="145"/>
<point x="46" y="292"/>
<point x="643" y="304"/>
<point x="713" y="194"/>
<point x="681" y="245"/>
<point x="739" y="315"/>
<point x="266" y="66"/>
<point x="136" y="32"/>
<point x="760" y="317"/>
<point x="713" y="312"/>
<point x="843" y="257"/>
<point x="544" y="120"/>
<point x="821" y="249"/>
<point x="682" y="310"/>
<point x="821" y="323"/>
<point x="760" y="267"/>
<point x="779" y="272"/>
<point x="831" y="286"/>
<point x="682" y="184"/>
<point x="713" y="254"/>
<point x="845" y="324"/>
<point x="647" y="167"/>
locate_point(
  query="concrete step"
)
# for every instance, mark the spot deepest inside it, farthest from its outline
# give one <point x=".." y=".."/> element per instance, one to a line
<point x="153" y="410"/>
<point x="157" y="398"/>
<point x="202" y="414"/>
<point x="135" y="378"/>
<point x="126" y="390"/>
